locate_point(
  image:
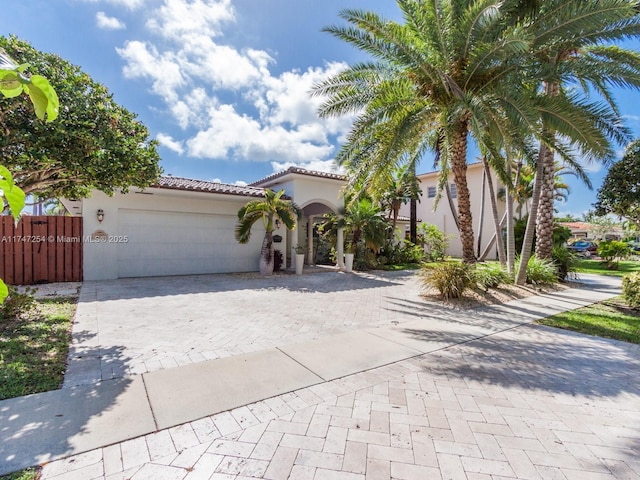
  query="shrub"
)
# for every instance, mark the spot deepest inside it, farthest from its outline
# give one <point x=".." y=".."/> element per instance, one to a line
<point x="612" y="252"/>
<point x="631" y="289"/>
<point x="491" y="275"/>
<point x="565" y="262"/>
<point x="450" y="279"/>
<point x="435" y="242"/>
<point x="541" y="271"/>
<point x="405" y="252"/>
<point x="17" y="304"/>
<point x="364" y="258"/>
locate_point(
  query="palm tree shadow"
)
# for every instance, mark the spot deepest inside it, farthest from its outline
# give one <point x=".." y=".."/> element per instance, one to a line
<point x="538" y="358"/>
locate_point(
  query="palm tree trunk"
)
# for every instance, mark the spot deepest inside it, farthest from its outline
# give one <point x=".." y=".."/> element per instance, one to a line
<point x="413" y="220"/>
<point x="459" y="170"/>
<point x="266" y="255"/>
<point x="452" y="206"/>
<point x="527" y="243"/>
<point x="511" y="240"/>
<point x="494" y="212"/>
<point x="544" y="219"/>
<point x="483" y="196"/>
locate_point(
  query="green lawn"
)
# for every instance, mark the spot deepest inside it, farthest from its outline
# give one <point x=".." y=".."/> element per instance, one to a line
<point x="609" y="319"/>
<point x="33" y="349"/>
<point x="29" y="474"/>
<point x="596" y="266"/>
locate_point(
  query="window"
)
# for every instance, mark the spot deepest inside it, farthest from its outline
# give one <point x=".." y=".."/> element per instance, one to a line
<point x="431" y="192"/>
<point x="454" y="190"/>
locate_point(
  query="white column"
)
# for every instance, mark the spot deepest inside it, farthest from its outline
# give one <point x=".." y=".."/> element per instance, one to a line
<point x="310" y="240"/>
<point x="293" y="237"/>
<point x="340" y="247"/>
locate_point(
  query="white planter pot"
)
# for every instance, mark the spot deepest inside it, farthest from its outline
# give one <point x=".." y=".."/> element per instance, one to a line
<point x="299" y="263"/>
<point x="348" y="262"/>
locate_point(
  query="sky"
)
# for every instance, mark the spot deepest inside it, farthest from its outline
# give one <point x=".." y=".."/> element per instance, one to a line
<point x="223" y="85"/>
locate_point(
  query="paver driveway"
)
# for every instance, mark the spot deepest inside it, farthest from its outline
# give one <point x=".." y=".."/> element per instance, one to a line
<point x="527" y="403"/>
<point x="133" y="326"/>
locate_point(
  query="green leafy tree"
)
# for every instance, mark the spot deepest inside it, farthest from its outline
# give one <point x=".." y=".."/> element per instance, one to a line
<point x="269" y="209"/>
<point x="94" y="144"/>
<point x="620" y="190"/>
<point x="14" y="80"/>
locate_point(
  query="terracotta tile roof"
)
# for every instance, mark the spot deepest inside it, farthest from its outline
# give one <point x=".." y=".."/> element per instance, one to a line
<point x="191" y="185"/>
<point x="300" y="171"/>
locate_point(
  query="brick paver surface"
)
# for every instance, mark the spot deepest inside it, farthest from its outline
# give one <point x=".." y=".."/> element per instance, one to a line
<point x="527" y="403"/>
<point x="129" y="326"/>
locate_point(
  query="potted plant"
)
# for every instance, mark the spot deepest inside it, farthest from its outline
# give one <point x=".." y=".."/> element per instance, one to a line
<point x="300" y="254"/>
<point x="349" y="249"/>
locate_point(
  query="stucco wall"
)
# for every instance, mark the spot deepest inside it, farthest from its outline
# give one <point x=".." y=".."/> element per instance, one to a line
<point x="101" y="258"/>
<point x="443" y="218"/>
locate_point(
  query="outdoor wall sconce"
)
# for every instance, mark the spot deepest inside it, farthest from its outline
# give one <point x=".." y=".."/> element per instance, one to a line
<point x="100" y="215"/>
<point x="278" y="223"/>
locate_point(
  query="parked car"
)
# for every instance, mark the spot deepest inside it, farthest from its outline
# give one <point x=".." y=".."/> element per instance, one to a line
<point x="584" y="248"/>
<point x="635" y="246"/>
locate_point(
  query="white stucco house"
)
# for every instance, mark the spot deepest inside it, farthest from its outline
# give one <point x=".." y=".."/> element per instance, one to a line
<point x="183" y="226"/>
<point x="441" y="216"/>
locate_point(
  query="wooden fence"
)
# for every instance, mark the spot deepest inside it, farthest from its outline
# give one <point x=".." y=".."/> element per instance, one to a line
<point x="41" y="249"/>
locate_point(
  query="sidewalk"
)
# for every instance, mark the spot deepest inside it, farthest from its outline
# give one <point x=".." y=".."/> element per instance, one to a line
<point x="41" y="428"/>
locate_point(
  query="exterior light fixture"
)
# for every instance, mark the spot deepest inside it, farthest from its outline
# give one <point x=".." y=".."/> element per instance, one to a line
<point x="278" y="223"/>
<point x="100" y="215"/>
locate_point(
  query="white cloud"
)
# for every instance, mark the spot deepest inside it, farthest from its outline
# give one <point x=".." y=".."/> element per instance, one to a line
<point x="329" y="166"/>
<point x="216" y="180"/>
<point x="240" y="183"/>
<point x="179" y="18"/>
<point x="144" y="61"/>
<point x="272" y="117"/>
<point x="130" y="4"/>
<point x="108" y="23"/>
<point x="168" y="142"/>
<point x="231" y="134"/>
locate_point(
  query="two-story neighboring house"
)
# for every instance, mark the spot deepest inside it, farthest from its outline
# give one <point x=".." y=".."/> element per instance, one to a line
<point x="440" y="214"/>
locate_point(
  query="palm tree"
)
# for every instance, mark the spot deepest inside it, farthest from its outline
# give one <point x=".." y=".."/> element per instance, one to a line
<point x="570" y="46"/>
<point x="269" y="209"/>
<point x="363" y="222"/>
<point x="436" y="78"/>
<point x="523" y="187"/>
<point x="403" y="188"/>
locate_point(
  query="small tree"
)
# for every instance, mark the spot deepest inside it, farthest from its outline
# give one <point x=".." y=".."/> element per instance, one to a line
<point x="14" y="81"/>
<point x="435" y="241"/>
<point x="94" y="144"/>
<point x="620" y="190"/>
<point x="612" y="252"/>
<point x="269" y="209"/>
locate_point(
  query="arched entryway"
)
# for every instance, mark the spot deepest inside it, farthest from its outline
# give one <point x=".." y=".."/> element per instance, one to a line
<point x="313" y="212"/>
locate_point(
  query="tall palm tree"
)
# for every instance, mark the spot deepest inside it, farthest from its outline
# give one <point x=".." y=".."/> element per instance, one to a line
<point x="269" y="209"/>
<point x="436" y="78"/>
<point x="402" y="188"/>
<point x="573" y="45"/>
<point x="523" y="187"/>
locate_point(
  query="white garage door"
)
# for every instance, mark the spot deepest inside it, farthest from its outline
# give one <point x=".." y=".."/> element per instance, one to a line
<point x="167" y="243"/>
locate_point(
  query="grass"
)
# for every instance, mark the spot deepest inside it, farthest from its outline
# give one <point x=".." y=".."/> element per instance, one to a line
<point x="596" y="266"/>
<point x="28" y="474"/>
<point x="33" y="349"/>
<point x="609" y="319"/>
<point x="399" y="266"/>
